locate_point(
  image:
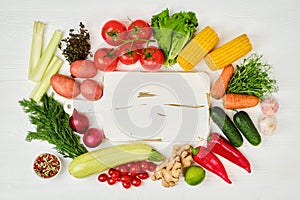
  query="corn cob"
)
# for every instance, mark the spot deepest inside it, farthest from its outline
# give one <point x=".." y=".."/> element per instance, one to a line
<point x="228" y="53"/>
<point x="197" y="48"/>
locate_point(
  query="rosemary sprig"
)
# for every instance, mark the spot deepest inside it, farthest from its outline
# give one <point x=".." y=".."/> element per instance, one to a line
<point x="52" y="125"/>
<point x="253" y="77"/>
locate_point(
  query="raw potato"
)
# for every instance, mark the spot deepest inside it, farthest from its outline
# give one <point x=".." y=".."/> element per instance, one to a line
<point x="91" y="90"/>
<point x="83" y="69"/>
<point x="65" y="86"/>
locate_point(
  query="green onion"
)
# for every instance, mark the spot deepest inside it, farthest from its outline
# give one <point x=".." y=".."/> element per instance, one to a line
<point x="41" y="88"/>
<point x="36" y="45"/>
<point x="46" y="57"/>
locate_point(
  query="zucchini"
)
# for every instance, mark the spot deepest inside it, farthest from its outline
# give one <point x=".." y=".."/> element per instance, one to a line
<point x="102" y="159"/>
<point x="244" y="123"/>
<point x="222" y="120"/>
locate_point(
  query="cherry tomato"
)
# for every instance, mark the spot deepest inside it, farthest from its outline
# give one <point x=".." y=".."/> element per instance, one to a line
<point x="152" y="58"/>
<point x="128" y="165"/>
<point x="106" y="59"/>
<point x="115" y="174"/>
<point x="111" y="181"/>
<point x="143" y="175"/>
<point x="111" y="171"/>
<point x="128" y="54"/>
<point x="136" y="182"/>
<point x="103" y="177"/>
<point x="135" y="168"/>
<point x="123" y="169"/>
<point x="152" y="167"/>
<point x="114" y="32"/>
<point x="144" y="165"/>
<point x="125" y="178"/>
<point x="140" y="31"/>
<point x="126" y="185"/>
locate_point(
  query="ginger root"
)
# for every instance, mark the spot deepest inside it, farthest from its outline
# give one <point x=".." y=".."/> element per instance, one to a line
<point x="170" y="170"/>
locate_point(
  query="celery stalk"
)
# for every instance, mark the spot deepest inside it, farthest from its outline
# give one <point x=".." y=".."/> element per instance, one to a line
<point x="46" y="57"/>
<point x="41" y="87"/>
<point x="36" y="45"/>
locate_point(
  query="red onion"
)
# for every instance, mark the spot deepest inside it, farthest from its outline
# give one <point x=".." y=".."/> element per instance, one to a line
<point x="93" y="137"/>
<point x="79" y="122"/>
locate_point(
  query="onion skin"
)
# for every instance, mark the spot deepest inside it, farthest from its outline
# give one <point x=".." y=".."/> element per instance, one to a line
<point x="93" y="137"/>
<point x="79" y="122"/>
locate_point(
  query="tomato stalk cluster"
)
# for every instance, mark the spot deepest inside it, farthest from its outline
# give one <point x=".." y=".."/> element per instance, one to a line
<point x="133" y="44"/>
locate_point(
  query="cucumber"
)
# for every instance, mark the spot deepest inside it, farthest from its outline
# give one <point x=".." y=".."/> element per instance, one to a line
<point x="246" y="126"/>
<point x="222" y="120"/>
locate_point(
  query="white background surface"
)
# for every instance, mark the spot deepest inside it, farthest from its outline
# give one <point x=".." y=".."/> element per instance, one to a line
<point x="273" y="28"/>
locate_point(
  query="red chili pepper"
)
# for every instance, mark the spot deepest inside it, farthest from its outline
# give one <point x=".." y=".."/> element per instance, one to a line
<point x="217" y="144"/>
<point x="209" y="161"/>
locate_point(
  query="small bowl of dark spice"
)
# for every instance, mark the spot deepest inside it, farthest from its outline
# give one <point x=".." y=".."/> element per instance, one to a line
<point x="47" y="165"/>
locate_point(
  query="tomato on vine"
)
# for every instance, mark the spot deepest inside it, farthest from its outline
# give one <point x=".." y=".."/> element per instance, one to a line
<point x="152" y="58"/>
<point x="140" y="31"/>
<point x="129" y="53"/>
<point x="114" y="32"/>
<point x="106" y="59"/>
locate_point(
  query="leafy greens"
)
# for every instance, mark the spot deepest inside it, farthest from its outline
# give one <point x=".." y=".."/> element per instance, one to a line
<point x="173" y="32"/>
<point x="52" y="125"/>
<point x="253" y="77"/>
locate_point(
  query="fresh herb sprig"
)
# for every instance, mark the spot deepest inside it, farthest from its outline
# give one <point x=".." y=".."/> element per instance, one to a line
<point x="77" y="45"/>
<point x="253" y="77"/>
<point x="52" y="125"/>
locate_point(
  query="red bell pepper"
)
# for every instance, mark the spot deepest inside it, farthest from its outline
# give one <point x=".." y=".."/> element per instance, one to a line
<point x="209" y="161"/>
<point x="219" y="145"/>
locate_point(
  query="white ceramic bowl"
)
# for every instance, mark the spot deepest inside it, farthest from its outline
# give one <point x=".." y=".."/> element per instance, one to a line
<point x="47" y="165"/>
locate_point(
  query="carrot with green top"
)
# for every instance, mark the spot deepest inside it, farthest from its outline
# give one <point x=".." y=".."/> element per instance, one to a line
<point x="219" y="88"/>
<point x="238" y="101"/>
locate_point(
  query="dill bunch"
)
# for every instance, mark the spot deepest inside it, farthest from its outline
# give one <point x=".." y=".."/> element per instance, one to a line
<point x="52" y="125"/>
<point x="253" y="77"/>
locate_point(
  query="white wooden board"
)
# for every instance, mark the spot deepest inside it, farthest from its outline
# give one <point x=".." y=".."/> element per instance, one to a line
<point x="163" y="106"/>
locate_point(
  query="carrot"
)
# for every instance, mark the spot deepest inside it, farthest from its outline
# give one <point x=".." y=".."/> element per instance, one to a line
<point x="219" y="88"/>
<point x="237" y="101"/>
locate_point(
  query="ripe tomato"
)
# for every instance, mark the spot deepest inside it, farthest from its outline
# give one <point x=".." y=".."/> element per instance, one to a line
<point x="140" y="31"/>
<point x="135" y="168"/>
<point x="111" y="181"/>
<point x="143" y="175"/>
<point x="123" y="169"/>
<point x="128" y="54"/>
<point x="125" y="178"/>
<point x="126" y="185"/>
<point x="105" y="59"/>
<point x="111" y="171"/>
<point x="136" y="182"/>
<point x="103" y="177"/>
<point x="152" y="167"/>
<point x="152" y="58"/>
<point x="115" y="174"/>
<point x="114" y="32"/>
<point x="144" y="165"/>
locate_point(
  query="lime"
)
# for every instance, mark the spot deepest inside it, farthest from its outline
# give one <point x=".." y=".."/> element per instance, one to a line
<point x="194" y="175"/>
